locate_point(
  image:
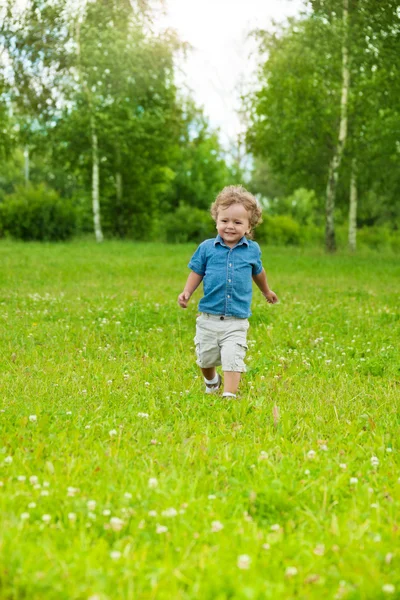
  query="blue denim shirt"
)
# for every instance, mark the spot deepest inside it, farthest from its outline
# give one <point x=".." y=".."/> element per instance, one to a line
<point x="227" y="275"/>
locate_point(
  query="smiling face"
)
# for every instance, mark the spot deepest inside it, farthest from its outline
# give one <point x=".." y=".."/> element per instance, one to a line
<point x="233" y="223"/>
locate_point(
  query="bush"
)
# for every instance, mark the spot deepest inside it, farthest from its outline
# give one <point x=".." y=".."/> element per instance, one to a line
<point x="278" y="230"/>
<point x="188" y="224"/>
<point x="37" y="213"/>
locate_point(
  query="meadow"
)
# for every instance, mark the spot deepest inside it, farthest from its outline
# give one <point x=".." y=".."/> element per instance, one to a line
<point x="121" y="479"/>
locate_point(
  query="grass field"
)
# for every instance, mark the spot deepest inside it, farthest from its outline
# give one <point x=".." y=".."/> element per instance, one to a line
<point x="120" y="479"/>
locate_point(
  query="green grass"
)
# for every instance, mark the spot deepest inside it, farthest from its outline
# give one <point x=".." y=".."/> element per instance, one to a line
<point x="92" y="337"/>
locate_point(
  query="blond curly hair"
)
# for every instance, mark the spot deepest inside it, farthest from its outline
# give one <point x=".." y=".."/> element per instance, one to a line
<point x="237" y="194"/>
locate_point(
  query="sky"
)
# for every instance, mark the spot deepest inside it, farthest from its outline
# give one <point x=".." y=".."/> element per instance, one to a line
<point x="219" y="62"/>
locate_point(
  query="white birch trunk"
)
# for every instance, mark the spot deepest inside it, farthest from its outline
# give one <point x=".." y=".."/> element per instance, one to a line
<point x="330" y="242"/>
<point x="95" y="185"/>
<point x="118" y="186"/>
<point x="353" y="207"/>
<point x="26" y="164"/>
<point x="95" y="149"/>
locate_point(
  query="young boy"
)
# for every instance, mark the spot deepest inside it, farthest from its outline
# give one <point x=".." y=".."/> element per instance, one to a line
<point x="226" y="265"/>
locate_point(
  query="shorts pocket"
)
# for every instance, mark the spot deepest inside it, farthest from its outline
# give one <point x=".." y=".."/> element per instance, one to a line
<point x="197" y="349"/>
<point x="240" y="353"/>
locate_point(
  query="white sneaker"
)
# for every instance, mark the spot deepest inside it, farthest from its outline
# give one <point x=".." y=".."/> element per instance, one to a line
<point x="211" y="388"/>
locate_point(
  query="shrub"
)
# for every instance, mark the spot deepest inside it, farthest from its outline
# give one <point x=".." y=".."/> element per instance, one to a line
<point x="278" y="230"/>
<point x="188" y="224"/>
<point x="37" y="213"/>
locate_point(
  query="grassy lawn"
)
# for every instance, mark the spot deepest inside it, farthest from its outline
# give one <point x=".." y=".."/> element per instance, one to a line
<point x="120" y="479"/>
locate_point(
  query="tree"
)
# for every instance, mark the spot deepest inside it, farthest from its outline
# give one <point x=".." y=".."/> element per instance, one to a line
<point x="323" y="98"/>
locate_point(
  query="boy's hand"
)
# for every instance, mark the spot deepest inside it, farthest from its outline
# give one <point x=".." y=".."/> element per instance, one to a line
<point x="271" y="297"/>
<point x="183" y="299"/>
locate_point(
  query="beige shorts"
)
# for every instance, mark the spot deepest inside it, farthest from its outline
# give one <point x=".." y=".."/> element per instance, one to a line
<point x="221" y="342"/>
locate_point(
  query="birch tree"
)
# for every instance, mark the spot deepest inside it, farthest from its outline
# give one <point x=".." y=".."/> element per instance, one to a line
<point x="336" y="160"/>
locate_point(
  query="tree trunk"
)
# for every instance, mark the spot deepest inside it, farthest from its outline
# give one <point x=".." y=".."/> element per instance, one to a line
<point x="118" y="186"/>
<point x="330" y="242"/>
<point x="95" y="184"/>
<point x="26" y="164"/>
<point x="353" y="207"/>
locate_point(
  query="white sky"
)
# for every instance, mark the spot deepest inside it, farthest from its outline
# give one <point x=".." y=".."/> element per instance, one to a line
<point x="217" y="31"/>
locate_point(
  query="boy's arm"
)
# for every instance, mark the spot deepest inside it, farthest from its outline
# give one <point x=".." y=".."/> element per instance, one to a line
<point x="261" y="282"/>
<point x="192" y="283"/>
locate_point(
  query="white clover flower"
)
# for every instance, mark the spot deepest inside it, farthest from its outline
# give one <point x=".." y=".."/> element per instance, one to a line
<point x="46" y="484"/>
<point x="374" y="461"/>
<point x="319" y="550"/>
<point x="72" y="491"/>
<point x="389" y="449"/>
<point x="128" y="495"/>
<point x="37" y="486"/>
<point x="243" y="561"/>
<point x="266" y="546"/>
<point x="153" y="482"/>
<point x="116" y="524"/>
<point x="263" y="455"/>
<point x="152" y="513"/>
<point x="146" y="383"/>
<point x="388" y="588"/>
<point x="115" y="555"/>
<point x="113" y="432"/>
<point x="8" y="460"/>
<point x="87" y="426"/>
<point x="212" y="497"/>
<point x="92" y="516"/>
<point x="143" y="415"/>
<point x="106" y="512"/>
<point x="44" y="493"/>
<point x="69" y="412"/>
<point x="307" y="472"/>
<point x="275" y="527"/>
<point x="169" y="512"/>
<point x="33" y="418"/>
<point x="32" y="505"/>
<point x="21" y="478"/>
<point x="324" y="447"/>
<point x="291" y="571"/>
<point x="161" y="529"/>
<point x="343" y="466"/>
<point x="46" y="518"/>
<point x="91" y="504"/>
<point x="353" y="480"/>
<point x="72" y="516"/>
<point x="25" y="516"/>
<point x="311" y="454"/>
<point x="216" y="526"/>
<point x="388" y="558"/>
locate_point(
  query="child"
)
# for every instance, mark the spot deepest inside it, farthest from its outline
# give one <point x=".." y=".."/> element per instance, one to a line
<point x="226" y="265"/>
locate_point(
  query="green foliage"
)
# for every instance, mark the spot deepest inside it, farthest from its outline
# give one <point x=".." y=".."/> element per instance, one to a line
<point x="280" y="230"/>
<point x="37" y="213"/>
<point x="303" y="206"/>
<point x="188" y="224"/>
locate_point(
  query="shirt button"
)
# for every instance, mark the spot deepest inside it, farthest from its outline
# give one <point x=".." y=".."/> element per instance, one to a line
<point x="228" y="296"/>
<point x="230" y="264"/>
<point x="229" y="280"/>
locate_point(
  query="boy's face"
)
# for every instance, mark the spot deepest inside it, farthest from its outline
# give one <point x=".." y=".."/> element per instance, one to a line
<point x="233" y="223"/>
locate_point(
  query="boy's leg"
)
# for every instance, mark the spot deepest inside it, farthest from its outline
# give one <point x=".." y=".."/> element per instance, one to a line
<point x="231" y="382"/>
<point x="209" y="373"/>
<point x="208" y="352"/>
<point x="233" y="351"/>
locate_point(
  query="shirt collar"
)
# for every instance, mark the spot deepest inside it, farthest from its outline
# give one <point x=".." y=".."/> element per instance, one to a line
<point x="219" y="240"/>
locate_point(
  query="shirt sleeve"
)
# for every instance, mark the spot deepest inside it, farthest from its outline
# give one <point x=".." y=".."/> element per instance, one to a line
<point x="257" y="265"/>
<point x="198" y="261"/>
